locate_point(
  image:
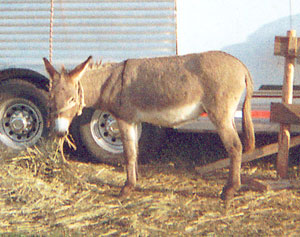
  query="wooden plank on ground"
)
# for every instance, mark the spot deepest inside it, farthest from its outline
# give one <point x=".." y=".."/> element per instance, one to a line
<point x="266" y="185"/>
<point x="256" y="154"/>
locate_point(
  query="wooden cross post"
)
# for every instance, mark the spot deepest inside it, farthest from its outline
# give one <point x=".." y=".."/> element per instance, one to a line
<point x="287" y="47"/>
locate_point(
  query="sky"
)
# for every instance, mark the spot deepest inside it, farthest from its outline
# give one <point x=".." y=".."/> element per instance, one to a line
<point x="244" y="28"/>
<point x="214" y="24"/>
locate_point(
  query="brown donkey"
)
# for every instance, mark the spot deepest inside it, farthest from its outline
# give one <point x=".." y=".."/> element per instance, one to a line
<point x="164" y="91"/>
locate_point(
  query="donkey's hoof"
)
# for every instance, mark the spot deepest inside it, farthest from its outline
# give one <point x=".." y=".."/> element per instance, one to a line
<point x="227" y="194"/>
<point x="126" y="191"/>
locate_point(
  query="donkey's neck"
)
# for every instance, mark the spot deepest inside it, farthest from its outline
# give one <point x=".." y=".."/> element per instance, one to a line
<point x="100" y="85"/>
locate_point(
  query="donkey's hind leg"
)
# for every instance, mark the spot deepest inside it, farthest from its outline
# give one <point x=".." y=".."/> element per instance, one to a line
<point x="129" y="137"/>
<point x="232" y="143"/>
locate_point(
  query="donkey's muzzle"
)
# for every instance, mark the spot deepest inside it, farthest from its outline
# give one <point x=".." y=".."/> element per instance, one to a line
<point x="61" y="126"/>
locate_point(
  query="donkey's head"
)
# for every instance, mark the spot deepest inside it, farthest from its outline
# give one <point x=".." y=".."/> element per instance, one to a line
<point x="66" y="95"/>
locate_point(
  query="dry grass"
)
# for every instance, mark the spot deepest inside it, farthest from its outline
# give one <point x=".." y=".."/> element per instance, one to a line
<point x="41" y="195"/>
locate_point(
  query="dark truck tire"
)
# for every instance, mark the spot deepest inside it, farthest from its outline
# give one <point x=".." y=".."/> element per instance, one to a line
<point x="23" y="113"/>
<point x="97" y="133"/>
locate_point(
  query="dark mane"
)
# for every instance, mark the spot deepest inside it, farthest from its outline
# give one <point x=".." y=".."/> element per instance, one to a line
<point x="99" y="65"/>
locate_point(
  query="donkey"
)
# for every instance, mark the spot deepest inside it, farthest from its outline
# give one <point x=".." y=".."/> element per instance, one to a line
<point x="164" y="91"/>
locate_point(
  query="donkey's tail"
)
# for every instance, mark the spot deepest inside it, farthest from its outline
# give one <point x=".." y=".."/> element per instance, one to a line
<point x="247" y="124"/>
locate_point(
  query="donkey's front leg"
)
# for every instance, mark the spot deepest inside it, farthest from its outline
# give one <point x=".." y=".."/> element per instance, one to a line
<point x="129" y="137"/>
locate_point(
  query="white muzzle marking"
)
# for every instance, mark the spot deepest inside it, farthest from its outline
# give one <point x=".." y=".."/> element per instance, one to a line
<point x="61" y="125"/>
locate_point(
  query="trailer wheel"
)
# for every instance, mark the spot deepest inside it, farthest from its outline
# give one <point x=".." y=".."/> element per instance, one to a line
<point x="99" y="136"/>
<point x="23" y="113"/>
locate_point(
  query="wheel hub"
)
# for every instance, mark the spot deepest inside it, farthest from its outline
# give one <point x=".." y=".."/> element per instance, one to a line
<point x="112" y="128"/>
<point x="105" y="131"/>
<point x="21" y="122"/>
<point x="109" y="130"/>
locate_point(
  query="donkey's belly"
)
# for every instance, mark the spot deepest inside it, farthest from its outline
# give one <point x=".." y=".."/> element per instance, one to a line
<point x="171" y="117"/>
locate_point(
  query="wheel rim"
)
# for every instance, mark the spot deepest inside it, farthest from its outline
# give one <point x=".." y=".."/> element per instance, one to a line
<point x="105" y="132"/>
<point x="21" y="123"/>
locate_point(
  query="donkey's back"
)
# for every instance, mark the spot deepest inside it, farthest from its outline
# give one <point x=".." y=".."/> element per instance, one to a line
<point x="168" y="91"/>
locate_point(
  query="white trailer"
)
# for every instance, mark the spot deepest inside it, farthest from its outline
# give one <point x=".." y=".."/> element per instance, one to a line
<point x="114" y="30"/>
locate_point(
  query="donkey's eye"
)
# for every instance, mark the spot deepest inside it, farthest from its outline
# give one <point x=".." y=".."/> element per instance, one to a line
<point x="71" y="100"/>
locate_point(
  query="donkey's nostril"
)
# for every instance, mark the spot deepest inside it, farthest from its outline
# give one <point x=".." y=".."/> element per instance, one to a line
<point x="61" y="126"/>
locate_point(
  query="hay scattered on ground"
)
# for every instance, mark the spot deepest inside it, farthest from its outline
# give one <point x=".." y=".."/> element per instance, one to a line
<point x="40" y="194"/>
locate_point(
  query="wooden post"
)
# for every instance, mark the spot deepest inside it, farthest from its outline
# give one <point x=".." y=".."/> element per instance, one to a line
<point x="287" y="97"/>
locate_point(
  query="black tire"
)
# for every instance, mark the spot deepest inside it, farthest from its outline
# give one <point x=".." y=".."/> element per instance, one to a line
<point x="91" y="133"/>
<point x="23" y="113"/>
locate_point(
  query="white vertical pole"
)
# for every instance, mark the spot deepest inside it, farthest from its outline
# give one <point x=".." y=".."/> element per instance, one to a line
<point x="51" y="31"/>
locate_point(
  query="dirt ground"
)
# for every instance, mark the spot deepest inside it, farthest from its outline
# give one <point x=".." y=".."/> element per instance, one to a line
<point x="42" y="195"/>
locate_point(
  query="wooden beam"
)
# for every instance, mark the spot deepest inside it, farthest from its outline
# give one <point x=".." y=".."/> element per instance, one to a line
<point x="285" y="113"/>
<point x="256" y="154"/>
<point x="287" y="46"/>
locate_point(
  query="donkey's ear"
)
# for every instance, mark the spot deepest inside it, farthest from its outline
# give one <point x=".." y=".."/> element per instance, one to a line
<point x="49" y="68"/>
<point x="78" y="71"/>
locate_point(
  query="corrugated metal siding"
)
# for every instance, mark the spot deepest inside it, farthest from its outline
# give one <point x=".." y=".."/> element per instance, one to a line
<point x="109" y="29"/>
